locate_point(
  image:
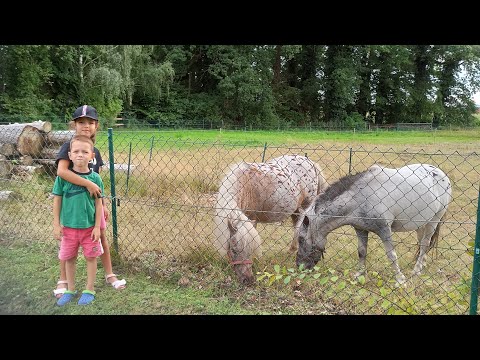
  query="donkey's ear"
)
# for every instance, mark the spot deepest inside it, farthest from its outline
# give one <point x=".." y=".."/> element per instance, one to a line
<point x="232" y="228"/>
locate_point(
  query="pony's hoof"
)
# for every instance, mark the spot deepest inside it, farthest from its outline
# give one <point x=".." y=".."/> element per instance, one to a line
<point x="416" y="272"/>
<point x="360" y="273"/>
<point x="401" y="280"/>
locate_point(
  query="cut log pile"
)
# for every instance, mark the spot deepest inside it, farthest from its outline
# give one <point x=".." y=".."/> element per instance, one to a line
<point x="30" y="148"/>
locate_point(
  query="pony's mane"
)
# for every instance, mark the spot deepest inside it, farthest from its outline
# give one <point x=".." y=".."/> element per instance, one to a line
<point x="229" y="187"/>
<point x="247" y="178"/>
<point x="339" y="187"/>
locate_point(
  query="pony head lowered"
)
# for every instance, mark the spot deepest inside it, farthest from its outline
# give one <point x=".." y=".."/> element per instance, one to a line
<point x="261" y="192"/>
<point x="379" y="200"/>
<point x="312" y="242"/>
<point x="236" y="235"/>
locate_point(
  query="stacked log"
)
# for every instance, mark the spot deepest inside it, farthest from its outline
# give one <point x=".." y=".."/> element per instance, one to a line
<point x="8" y="150"/>
<point x="44" y="126"/>
<point x="27" y="139"/>
<point x="5" y="167"/>
<point x="58" y="138"/>
<point x="30" y="148"/>
<point x="25" y="160"/>
<point x="49" y="153"/>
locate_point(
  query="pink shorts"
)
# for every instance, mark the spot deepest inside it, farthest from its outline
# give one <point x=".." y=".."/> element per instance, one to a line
<point x="103" y="223"/>
<point x="73" y="238"/>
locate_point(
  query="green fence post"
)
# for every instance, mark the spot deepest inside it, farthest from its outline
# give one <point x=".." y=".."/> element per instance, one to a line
<point x="128" y="167"/>
<point x="151" y="150"/>
<point x="263" y="154"/>
<point x="112" y="188"/>
<point x="476" y="264"/>
<point x="350" y="162"/>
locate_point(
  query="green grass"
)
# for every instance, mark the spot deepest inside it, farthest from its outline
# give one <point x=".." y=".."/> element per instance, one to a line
<point x="29" y="271"/>
<point x="259" y="138"/>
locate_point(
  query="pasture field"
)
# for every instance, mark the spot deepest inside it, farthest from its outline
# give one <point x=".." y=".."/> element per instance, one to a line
<point x="165" y="206"/>
<point x="259" y="138"/>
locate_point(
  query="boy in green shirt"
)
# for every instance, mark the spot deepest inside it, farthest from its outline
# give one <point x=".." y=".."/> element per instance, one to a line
<point x="76" y="220"/>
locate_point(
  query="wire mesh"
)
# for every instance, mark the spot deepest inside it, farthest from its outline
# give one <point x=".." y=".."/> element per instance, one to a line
<point x="166" y="193"/>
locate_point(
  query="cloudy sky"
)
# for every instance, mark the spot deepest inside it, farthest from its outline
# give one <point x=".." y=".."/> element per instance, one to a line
<point x="476" y="98"/>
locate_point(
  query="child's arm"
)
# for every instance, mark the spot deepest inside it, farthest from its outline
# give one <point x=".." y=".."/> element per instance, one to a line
<point x="57" y="228"/>
<point x="105" y="210"/>
<point x="98" y="217"/>
<point x="70" y="176"/>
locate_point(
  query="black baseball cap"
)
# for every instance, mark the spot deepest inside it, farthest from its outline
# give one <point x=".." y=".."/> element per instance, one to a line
<point x="85" y="111"/>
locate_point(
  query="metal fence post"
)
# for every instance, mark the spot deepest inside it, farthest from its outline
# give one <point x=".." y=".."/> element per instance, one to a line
<point x="112" y="188"/>
<point x="476" y="264"/>
<point x="350" y="162"/>
<point x="151" y="150"/>
<point x="128" y="167"/>
<point x="263" y="154"/>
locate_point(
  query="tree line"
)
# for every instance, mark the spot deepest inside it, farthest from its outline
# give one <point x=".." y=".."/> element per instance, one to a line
<point x="260" y="86"/>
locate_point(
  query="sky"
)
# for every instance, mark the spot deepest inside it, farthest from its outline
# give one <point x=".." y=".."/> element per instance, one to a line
<point x="476" y="98"/>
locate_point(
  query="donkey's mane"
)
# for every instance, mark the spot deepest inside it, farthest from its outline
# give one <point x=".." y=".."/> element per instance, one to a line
<point x="338" y="188"/>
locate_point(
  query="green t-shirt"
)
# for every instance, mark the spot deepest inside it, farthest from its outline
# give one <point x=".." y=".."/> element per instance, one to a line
<point x="78" y="207"/>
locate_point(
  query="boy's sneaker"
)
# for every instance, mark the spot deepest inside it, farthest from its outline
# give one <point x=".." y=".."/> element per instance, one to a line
<point x="66" y="297"/>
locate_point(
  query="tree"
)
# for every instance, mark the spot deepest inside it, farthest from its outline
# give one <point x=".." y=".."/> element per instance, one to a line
<point x="27" y="71"/>
<point x="340" y="81"/>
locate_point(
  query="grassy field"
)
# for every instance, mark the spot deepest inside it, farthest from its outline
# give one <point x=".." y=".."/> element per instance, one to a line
<point x="28" y="273"/>
<point x="165" y="228"/>
<point x="434" y="137"/>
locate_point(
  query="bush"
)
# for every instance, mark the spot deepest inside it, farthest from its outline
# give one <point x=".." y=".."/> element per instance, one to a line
<point x="355" y="121"/>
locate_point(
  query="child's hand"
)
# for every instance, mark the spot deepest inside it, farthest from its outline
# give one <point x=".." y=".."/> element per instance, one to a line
<point x="95" y="234"/>
<point x="94" y="190"/>
<point x="57" y="232"/>
<point x="106" y="213"/>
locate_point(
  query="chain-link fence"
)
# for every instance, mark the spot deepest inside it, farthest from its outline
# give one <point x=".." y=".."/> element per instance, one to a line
<point x="163" y="197"/>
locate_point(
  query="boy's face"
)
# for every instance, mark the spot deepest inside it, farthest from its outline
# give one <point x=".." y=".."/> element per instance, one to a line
<point x="81" y="153"/>
<point x="86" y="126"/>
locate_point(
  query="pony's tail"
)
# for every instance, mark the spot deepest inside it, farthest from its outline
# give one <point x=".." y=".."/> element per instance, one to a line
<point x="434" y="239"/>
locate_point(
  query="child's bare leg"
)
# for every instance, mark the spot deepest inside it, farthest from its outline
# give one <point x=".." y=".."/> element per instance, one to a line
<point x="88" y="295"/>
<point x="71" y="267"/>
<point x="106" y="259"/>
<point x="62" y="281"/>
<point x="91" y="272"/>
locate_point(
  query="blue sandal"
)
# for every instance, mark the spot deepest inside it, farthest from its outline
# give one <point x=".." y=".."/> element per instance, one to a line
<point x="66" y="297"/>
<point x="86" y="298"/>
